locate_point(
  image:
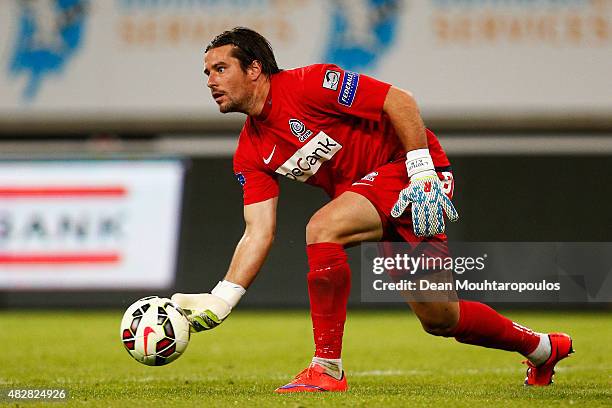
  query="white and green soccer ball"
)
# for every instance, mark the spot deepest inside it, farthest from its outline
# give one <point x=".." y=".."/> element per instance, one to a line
<point x="154" y="331"/>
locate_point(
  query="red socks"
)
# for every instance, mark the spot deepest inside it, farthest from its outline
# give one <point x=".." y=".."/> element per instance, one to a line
<point x="482" y="326"/>
<point x="329" y="285"/>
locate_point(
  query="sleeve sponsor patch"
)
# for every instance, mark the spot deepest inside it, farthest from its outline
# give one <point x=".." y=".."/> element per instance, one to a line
<point x="331" y="79"/>
<point x="348" y="89"/>
<point x="241" y="179"/>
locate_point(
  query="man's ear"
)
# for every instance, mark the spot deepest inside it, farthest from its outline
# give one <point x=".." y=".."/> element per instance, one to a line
<point x="254" y="70"/>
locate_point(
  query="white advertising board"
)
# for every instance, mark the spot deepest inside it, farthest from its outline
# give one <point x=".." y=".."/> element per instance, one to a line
<point x="81" y="224"/>
<point x="141" y="60"/>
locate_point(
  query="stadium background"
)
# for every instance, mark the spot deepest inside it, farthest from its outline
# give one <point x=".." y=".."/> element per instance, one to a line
<point x="518" y="92"/>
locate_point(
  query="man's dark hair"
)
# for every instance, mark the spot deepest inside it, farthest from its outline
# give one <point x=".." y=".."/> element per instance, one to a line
<point x="249" y="46"/>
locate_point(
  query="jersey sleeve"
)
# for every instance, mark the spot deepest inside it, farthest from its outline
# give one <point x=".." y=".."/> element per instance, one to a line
<point x="257" y="184"/>
<point x="332" y="90"/>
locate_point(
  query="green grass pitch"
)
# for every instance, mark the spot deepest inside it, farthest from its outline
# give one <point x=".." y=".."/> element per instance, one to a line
<point x="390" y="361"/>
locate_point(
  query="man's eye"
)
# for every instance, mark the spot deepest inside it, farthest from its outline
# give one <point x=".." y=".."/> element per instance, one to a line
<point x="221" y="69"/>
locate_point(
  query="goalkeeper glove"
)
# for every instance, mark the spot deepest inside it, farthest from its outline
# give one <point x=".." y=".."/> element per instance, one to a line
<point x="206" y="311"/>
<point x="424" y="192"/>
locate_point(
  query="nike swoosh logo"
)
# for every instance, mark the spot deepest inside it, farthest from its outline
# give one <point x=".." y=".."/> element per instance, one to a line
<point x="267" y="161"/>
<point x="148" y="330"/>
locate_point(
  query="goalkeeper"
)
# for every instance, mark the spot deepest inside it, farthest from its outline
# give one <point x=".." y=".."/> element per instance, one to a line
<point x="364" y="143"/>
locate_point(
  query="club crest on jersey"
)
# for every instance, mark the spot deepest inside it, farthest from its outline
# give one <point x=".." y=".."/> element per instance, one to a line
<point x="331" y="79"/>
<point x="306" y="161"/>
<point x="299" y="130"/>
<point x="350" y="82"/>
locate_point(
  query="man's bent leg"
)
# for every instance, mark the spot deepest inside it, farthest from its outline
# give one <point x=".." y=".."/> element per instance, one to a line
<point x="478" y="324"/>
<point x="345" y="221"/>
<point x="481" y="325"/>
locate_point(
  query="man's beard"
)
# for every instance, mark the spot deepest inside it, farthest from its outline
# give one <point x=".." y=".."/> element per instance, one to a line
<point x="231" y="106"/>
<point x="228" y="107"/>
<point x="239" y="103"/>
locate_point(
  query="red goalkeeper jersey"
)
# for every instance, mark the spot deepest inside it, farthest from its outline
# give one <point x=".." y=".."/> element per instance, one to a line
<point x="320" y="125"/>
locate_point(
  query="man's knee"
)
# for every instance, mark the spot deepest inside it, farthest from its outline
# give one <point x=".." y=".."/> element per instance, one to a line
<point x="438" y="327"/>
<point x="438" y="320"/>
<point x="320" y="229"/>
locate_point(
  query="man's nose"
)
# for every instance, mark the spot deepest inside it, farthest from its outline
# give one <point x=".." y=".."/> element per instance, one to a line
<point x="211" y="81"/>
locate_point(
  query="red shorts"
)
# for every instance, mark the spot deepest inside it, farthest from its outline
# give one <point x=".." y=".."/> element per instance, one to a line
<point x="382" y="187"/>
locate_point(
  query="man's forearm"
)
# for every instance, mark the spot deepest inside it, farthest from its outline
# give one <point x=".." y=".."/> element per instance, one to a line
<point x="249" y="256"/>
<point x="424" y="194"/>
<point x="404" y="114"/>
<point x="208" y="310"/>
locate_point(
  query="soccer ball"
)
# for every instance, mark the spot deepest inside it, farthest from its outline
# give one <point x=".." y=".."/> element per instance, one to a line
<point x="154" y="331"/>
